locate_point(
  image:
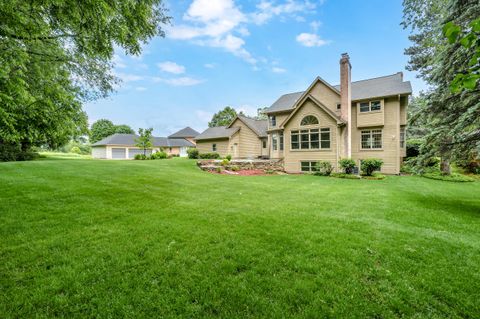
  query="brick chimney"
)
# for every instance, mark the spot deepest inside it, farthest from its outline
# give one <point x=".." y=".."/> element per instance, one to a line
<point x="346" y="101"/>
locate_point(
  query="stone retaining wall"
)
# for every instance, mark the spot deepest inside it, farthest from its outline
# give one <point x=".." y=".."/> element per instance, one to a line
<point x="270" y="165"/>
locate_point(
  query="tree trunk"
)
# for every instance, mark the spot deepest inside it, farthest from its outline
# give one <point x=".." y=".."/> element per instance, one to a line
<point x="445" y="166"/>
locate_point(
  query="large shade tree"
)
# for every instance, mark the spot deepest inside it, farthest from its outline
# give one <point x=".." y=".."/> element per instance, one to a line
<point x="452" y="116"/>
<point x="56" y="54"/>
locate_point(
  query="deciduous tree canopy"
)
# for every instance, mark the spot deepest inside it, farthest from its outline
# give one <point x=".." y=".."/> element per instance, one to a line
<point x="54" y="54"/>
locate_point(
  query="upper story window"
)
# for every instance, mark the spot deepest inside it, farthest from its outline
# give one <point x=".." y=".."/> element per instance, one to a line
<point x="309" y="120"/>
<point x="339" y="106"/>
<point x="273" y="120"/>
<point x="370" y="106"/>
<point x="371" y="139"/>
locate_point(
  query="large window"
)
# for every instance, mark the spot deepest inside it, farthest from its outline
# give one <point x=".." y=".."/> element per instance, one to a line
<point x="308" y="166"/>
<point x="214" y="147"/>
<point x="274" y="142"/>
<point x="402" y="137"/>
<point x="273" y="120"/>
<point x="372" y="139"/>
<point x="311" y="139"/>
<point x="309" y="120"/>
<point x="370" y="106"/>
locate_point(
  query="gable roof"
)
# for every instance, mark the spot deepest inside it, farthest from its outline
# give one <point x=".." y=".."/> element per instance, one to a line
<point x="259" y="127"/>
<point x="129" y="140"/>
<point x="317" y="103"/>
<point x="184" y="132"/>
<point x="388" y="85"/>
<point x="217" y="132"/>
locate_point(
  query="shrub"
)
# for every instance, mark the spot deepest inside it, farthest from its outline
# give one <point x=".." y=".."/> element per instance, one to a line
<point x="454" y="177"/>
<point x="471" y="165"/>
<point x="140" y="157"/>
<point x="234" y="168"/>
<point x="209" y="156"/>
<point x="413" y="147"/>
<point x="323" y="168"/>
<point x="347" y="164"/>
<point x="219" y="169"/>
<point x="344" y="175"/>
<point x="269" y="171"/>
<point x="158" y="155"/>
<point x="13" y="152"/>
<point x="229" y="157"/>
<point x="371" y="165"/>
<point x="192" y="153"/>
<point x="75" y="150"/>
<point x="225" y="162"/>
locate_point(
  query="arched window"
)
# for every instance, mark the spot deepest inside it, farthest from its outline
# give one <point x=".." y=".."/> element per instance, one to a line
<point x="309" y="120"/>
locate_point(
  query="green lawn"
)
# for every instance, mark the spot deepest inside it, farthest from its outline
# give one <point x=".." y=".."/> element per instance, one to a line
<point x="133" y="239"/>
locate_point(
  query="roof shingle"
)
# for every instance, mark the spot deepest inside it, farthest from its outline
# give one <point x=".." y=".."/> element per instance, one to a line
<point x="216" y="133"/>
<point x="129" y="140"/>
<point x="185" y="132"/>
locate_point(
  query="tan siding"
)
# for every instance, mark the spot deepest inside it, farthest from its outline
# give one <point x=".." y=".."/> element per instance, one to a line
<point x="367" y="119"/>
<point x="390" y="154"/>
<point x="326" y="95"/>
<point x="293" y="158"/>
<point x="249" y="143"/>
<point x="206" y="146"/>
<point x="280" y="119"/>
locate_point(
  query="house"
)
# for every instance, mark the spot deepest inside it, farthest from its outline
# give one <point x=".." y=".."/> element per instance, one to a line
<point x="187" y="133"/>
<point x="242" y="138"/>
<point x="358" y="120"/>
<point x="122" y="146"/>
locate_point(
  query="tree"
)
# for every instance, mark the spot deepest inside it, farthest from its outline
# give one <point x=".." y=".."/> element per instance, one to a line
<point x="124" y="129"/>
<point x="417" y="127"/>
<point x="145" y="140"/>
<point x="261" y="115"/>
<point x="101" y="129"/>
<point x="452" y="118"/>
<point x="56" y="54"/>
<point x="223" y="117"/>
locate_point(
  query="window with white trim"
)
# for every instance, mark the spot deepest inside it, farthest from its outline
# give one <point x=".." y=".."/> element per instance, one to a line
<point x="370" y="106"/>
<point x="371" y="139"/>
<point x="281" y="141"/>
<point x="309" y="120"/>
<point x="274" y="142"/>
<point x="308" y="166"/>
<point x="402" y="137"/>
<point x="310" y="139"/>
<point x="214" y="147"/>
<point x="273" y="120"/>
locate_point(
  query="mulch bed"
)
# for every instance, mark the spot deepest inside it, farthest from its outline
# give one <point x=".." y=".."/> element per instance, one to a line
<point x="246" y="172"/>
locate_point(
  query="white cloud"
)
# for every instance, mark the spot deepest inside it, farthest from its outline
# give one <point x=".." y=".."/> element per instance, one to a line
<point x="210" y="65"/>
<point x="266" y="10"/>
<point x="181" y="81"/>
<point x="315" y="25"/>
<point x="310" y="40"/>
<point x="126" y="77"/>
<point x="203" y="115"/>
<point x="119" y="62"/>
<point x="278" y="70"/>
<point x="171" y="67"/>
<point x="140" y="88"/>
<point x="222" y="24"/>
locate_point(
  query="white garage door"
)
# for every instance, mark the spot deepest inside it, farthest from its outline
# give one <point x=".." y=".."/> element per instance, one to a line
<point x="134" y="151"/>
<point x="119" y="153"/>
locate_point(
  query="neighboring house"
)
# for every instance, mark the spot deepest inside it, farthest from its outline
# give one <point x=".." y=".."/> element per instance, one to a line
<point x="358" y="120"/>
<point x="243" y="138"/>
<point x="187" y="133"/>
<point x="122" y="146"/>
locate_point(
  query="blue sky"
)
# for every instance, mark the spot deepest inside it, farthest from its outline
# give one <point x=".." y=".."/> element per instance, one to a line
<point x="246" y="54"/>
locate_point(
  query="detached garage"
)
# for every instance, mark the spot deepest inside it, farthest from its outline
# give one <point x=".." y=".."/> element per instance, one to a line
<point x="122" y="146"/>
